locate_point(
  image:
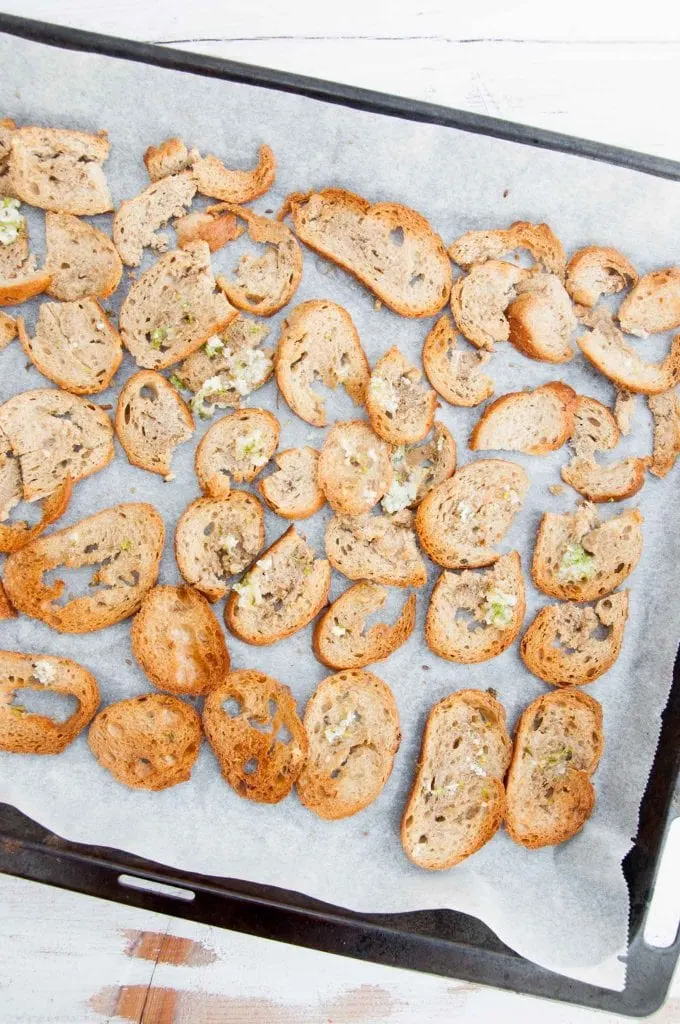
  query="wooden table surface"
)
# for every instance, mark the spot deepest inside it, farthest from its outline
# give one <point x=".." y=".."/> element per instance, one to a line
<point x="603" y="71"/>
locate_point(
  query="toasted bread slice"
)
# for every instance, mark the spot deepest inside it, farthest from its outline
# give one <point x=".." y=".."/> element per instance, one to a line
<point x="542" y="319"/>
<point x="595" y="430"/>
<point x="23" y="732"/>
<point x="562" y="646"/>
<point x="624" y="410"/>
<point x="15" y="290"/>
<point x="319" y="342"/>
<point x="419" y="468"/>
<point x="282" y="592"/>
<point x="352" y="722"/>
<point x="457" y="801"/>
<point x="6" y="609"/>
<point x="355" y="467"/>
<point x="236" y="448"/>
<point x="7" y="129"/>
<point x="60" y="170"/>
<point x="401" y="408"/>
<point x="170" y="157"/>
<point x="462" y="519"/>
<point x="606" y="349"/>
<point x="480" y="298"/>
<point x="227" y="368"/>
<point x="259" y="741"/>
<point x="204" y="226"/>
<point x="454" y="373"/>
<point x="147" y="742"/>
<point x="178" y="642"/>
<point x="217" y="538"/>
<point x="173" y="309"/>
<point x="342" y="638"/>
<point x="665" y="410"/>
<point x="380" y="549"/>
<point x="390" y="248"/>
<point x="558" y="744"/>
<point x="653" y="305"/>
<point x="537" y="239"/>
<point x="19" y="279"/>
<point x="55" y="436"/>
<point x="534" y="422"/>
<point x="75" y="345"/>
<point x="124" y="543"/>
<point x="151" y="421"/>
<point x="579" y="558"/>
<point x="17" y="534"/>
<point x="81" y="260"/>
<point x="476" y="615"/>
<point x="231" y="186"/>
<point x="263" y="284"/>
<point x="8" y="330"/>
<point x="138" y="220"/>
<point x="596" y="271"/>
<point x="293" y="490"/>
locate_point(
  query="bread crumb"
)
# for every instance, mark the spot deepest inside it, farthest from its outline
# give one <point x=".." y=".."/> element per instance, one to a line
<point x="506" y="193"/>
<point x="556" y="489"/>
<point x="377" y="304"/>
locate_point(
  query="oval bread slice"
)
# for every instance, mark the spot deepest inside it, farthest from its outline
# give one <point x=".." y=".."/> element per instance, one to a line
<point x="605" y="348"/>
<point x="342" y="638"/>
<point x="293" y="491"/>
<point x="653" y="305"/>
<point x="542" y="319"/>
<point x="480" y="298"/>
<point x="534" y="422"/>
<point x="537" y="239"/>
<point x="236" y="448"/>
<point x="137" y="220"/>
<point x="400" y="407"/>
<point x="81" y="260"/>
<point x="355" y="467"/>
<point x="595" y="429"/>
<point x="151" y="421"/>
<point x="59" y="169"/>
<point x="454" y="373"/>
<point x="228" y="367"/>
<point x="419" y="468"/>
<point x="596" y="271"/>
<point x="380" y="549"/>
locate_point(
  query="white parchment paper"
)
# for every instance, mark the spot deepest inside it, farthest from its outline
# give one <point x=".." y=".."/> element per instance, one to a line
<point x="564" y="908"/>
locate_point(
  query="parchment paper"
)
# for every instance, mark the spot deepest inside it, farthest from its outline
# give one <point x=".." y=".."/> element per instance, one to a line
<point x="564" y="908"/>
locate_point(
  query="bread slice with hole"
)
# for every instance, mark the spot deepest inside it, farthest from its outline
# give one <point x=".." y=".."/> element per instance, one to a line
<point x="653" y="305"/>
<point x="480" y="298"/>
<point x="81" y="260"/>
<point x="400" y="407"/>
<point x="170" y="157"/>
<point x="461" y="520"/>
<point x="178" y="642"/>
<point x="352" y="723"/>
<point x="390" y="248"/>
<point x="537" y="239"/>
<point x="558" y="745"/>
<point x="355" y="467"/>
<point x="419" y="468"/>
<point x="147" y="742"/>
<point x="234" y="186"/>
<point x="457" y="801"/>
<point x="75" y="345"/>
<point x="173" y="308"/>
<point x="281" y="593"/>
<point x="16" y="534"/>
<point x="151" y="421"/>
<point x="342" y="638"/>
<point x="236" y="448"/>
<point x="665" y="410"/>
<point x="542" y="319"/>
<point x="293" y="490"/>
<point x="475" y="615"/>
<point x="216" y="538"/>
<point x="579" y="558"/>
<point x="563" y="646"/>
<point x="253" y="727"/>
<point x="137" y="221"/>
<point x="61" y="170"/>
<point x="8" y="330"/>
<point x="596" y="271"/>
<point x="319" y="343"/>
<point x="534" y="422"/>
<point x="380" y="549"/>
<point x="228" y="368"/>
<point x="595" y="430"/>
<point x="454" y="373"/>
<point x="123" y="544"/>
<point x="605" y="348"/>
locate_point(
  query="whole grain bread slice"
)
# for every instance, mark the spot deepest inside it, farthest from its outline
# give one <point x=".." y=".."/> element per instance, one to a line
<point x="380" y="549"/>
<point x="542" y="319"/>
<point x="151" y="421"/>
<point x="8" y="330"/>
<point x="236" y="448"/>
<point x="352" y="723"/>
<point x="595" y="430"/>
<point x="454" y="373"/>
<point x="418" y="468"/>
<point x="25" y="732"/>
<point x="400" y="407"/>
<point x="390" y="248"/>
<point x="665" y="410"/>
<point x="81" y="260"/>
<point x="605" y="348"/>
<point x="253" y="727"/>
<point x="534" y="422"/>
<point x="137" y="221"/>
<point x="558" y="744"/>
<point x="234" y="186"/>
<point x="480" y="298"/>
<point x="293" y="491"/>
<point x="178" y="642"/>
<point x="60" y="170"/>
<point x="230" y="366"/>
<point x="342" y="638"/>
<point x="537" y="239"/>
<point x="653" y="305"/>
<point x="170" y="157"/>
<point x="563" y="645"/>
<point x="147" y="742"/>
<point x="457" y="801"/>
<point x="355" y="467"/>
<point x="596" y="271"/>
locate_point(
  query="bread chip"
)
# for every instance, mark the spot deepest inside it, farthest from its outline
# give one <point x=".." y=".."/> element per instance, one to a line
<point x="606" y="349"/>
<point x="542" y="319"/>
<point x="534" y="422"/>
<point x="355" y="467"/>
<point x="653" y="305"/>
<point x="401" y="408"/>
<point x="236" y="448"/>
<point x="8" y="330"/>
<point x="419" y="468"/>
<point x="7" y="128"/>
<point x="596" y="271"/>
<point x="19" y="279"/>
<point x="137" y="221"/>
<point x="151" y="421"/>
<point x="6" y="609"/>
<point x="342" y="638"/>
<point x="381" y="549"/>
<point x="170" y="157"/>
<point x="81" y="260"/>
<point x="454" y="373"/>
<point x="15" y="535"/>
<point x="230" y="366"/>
<point x="219" y="182"/>
<point x="665" y="410"/>
<point x="595" y="430"/>
<point x="60" y="170"/>
<point x="293" y="490"/>
<point x="480" y="298"/>
<point x="624" y="410"/>
<point x="203" y="226"/>
<point x="537" y="239"/>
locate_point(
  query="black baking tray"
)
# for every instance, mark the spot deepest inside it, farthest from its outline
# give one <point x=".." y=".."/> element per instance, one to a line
<point x="440" y="941"/>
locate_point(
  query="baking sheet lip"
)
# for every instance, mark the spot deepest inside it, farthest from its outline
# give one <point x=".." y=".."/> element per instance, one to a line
<point x="65" y="37"/>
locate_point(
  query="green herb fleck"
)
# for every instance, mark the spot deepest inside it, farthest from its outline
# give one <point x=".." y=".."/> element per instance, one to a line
<point x="178" y="383"/>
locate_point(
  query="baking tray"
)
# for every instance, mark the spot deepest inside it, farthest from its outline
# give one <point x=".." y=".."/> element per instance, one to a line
<point x="440" y="941"/>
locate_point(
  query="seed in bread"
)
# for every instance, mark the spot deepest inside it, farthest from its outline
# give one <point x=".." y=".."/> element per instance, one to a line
<point x="595" y="430"/>
<point x="665" y="410"/>
<point x="542" y="319"/>
<point x="234" y="186"/>
<point x="462" y="519"/>
<point x="137" y="221"/>
<point x="579" y="558"/>
<point x="216" y="538"/>
<point x="454" y="373"/>
<point x="178" y="641"/>
<point x="8" y="330"/>
<point x="596" y="271"/>
<point x="390" y="248"/>
<point x="170" y="157"/>
<point x="123" y="544"/>
<point x="81" y="260"/>
<point x="280" y="594"/>
<point x="319" y="342"/>
<point x="563" y="645"/>
<point x="352" y="723"/>
<point x="27" y="732"/>
<point x="15" y="535"/>
<point x="236" y="448"/>
<point x="537" y="239"/>
<point x="60" y="170"/>
<point x="419" y="468"/>
<point x="202" y="226"/>
<point x="653" y="305"/>
<point x="293" y="491"/>
<point x="342" y="638"/>
<point x="475" y="615"/>
<point x="380" y="549"/>
<point x="253" y="727"/>
<point x="151" y="421"/>
<point x="457" y="801"/>
<point x="534" y="422"/>
<point x="355" y="467"/>
<point x="400" y="407"/>
<point x="558" y="744"/>
<point x="605" y="348"/>
<point x="173" y="309"/>
<point x="147" y="742"/>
